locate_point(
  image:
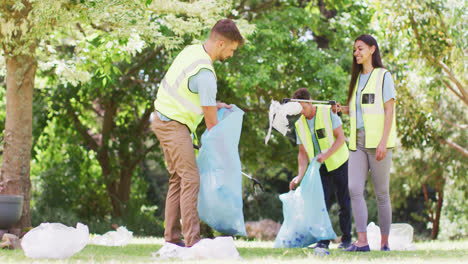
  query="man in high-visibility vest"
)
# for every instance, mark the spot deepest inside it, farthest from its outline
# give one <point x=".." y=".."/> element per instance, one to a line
<point x="319" y="133"/>
<point x="186" y="95"/>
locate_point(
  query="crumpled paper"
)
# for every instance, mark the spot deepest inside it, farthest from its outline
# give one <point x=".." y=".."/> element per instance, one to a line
<point x="218" y="248"/>
<point x="55" y="240"/>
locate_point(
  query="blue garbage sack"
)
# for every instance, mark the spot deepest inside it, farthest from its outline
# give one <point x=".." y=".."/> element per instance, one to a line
<point x="306" y="219"/>
<point x="220" y="195"/>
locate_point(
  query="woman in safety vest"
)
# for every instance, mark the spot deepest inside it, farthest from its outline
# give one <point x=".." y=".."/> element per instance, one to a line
<point x="371" y="107"/>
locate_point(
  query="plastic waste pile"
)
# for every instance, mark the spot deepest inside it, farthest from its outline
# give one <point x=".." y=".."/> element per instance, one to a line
<point x="278" y="116"/>
<point x="218" y="248"/>
<point x="55" y="240"/>
<point x="220" y="196"/>
<point x="120" y="237"/>
<point x="306" y="219"/>
<point x="400" y="238"/>
<point x="321" y="252"/>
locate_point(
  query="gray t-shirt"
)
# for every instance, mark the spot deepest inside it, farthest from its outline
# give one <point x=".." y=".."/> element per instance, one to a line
<point x="387" y="94"/>
<point x="203" y="83"/>
<point x="336" y="122"/>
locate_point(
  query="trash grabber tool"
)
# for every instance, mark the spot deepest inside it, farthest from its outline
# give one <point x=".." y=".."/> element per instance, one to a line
<point x="330" y="102"/>
<point x="254" y="180"/>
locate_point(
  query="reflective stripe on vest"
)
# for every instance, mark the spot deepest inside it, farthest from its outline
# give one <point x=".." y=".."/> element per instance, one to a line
<point x="373" y="114"/>
<point x="306" y="137"/>
<point x="324" y="134"/>
<point x="174" y="99"/>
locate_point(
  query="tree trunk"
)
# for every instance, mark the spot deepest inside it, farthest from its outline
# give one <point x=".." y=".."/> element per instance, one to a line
<point x="125" y="184"/>
<point x="21" y="70"/>
<point x="109" y="179"/>
<point x="440" y="200"/>
<point x="112" y="190"/>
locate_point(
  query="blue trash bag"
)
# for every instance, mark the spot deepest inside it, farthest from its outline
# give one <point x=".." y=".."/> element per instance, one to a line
<point x="220" y="195"/>
<point x="306" y="219"/>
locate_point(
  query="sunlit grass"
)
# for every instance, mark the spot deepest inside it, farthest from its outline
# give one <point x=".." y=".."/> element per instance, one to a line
<point x="140" y="251"/>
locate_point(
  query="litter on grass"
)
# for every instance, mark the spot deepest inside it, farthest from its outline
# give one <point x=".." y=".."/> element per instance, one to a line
<point x="55" y="240"/>
<point x="400" y="238"/>
<point x="278" y="116"/>
<point x="120" y="237"/>
<point x="218" y="248"/>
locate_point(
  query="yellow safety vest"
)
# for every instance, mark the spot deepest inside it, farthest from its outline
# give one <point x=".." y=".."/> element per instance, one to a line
<point x="325" y="138"/>
<point x="174" y="98"/>
<point x="373" y="115"/>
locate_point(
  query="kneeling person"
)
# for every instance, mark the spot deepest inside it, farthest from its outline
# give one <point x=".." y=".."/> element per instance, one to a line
<point x="319" y="133"/>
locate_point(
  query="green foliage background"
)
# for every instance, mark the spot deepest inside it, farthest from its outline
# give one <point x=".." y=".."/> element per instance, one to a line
<point x="117" y="63"/>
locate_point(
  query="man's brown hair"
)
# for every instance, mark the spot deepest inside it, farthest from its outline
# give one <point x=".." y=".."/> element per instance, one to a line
<point x="228" y="29"/>
<point x="301" y="93"/>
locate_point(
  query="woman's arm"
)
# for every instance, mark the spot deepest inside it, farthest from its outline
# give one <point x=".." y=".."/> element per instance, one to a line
<point x="381" y="150"/>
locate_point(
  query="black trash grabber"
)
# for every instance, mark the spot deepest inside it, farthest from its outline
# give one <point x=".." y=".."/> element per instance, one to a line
<point x="255" y="181"/>
<point x="330" y="102"/>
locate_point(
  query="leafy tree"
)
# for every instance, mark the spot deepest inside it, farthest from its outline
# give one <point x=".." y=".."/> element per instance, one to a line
<point x="90" y="27"/>
<point x="433" y="33"/>
<point x="427" y="46"/>
<point x="23" y="24"/>
<point x="122" y="63"/>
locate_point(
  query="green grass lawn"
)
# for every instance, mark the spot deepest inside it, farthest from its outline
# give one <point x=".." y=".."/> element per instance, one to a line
<point x="140" y="251"/>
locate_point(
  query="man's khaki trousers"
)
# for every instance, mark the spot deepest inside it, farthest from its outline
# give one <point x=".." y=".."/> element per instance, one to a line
<point x="184" y="182"/>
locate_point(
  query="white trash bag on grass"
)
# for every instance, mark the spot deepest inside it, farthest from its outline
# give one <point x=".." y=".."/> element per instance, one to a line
<point x="400" y="238"/>
<point x="218" y="248"/>
<point x="55" y="240"/>
<point x="120" y="237"/>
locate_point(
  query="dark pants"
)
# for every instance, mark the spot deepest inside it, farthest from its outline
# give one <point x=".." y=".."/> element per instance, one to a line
<point x="339" y="178"/>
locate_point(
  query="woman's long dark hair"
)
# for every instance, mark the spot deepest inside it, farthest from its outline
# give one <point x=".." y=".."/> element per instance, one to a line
<point x="357" y="68"/>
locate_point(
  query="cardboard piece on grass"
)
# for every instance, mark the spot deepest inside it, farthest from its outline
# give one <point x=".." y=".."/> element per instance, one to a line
<point x="55" y="240"/>
<point x="120" y="237"/>
<point x="218" y="248"/>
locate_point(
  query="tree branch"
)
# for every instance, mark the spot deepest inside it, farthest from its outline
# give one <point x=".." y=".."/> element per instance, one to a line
<point x="143" y="155"/>
<point x="326" y="13"/>
<point x="426" y="197"/>
<point x="455" y="146"/>
<point x="453" y="90"/>
<point x="447" y="121"/>
<point x="144" y="61"/>
<point x="460" y="87"/>
<point x="108" y="122"/>
<point x="136" y="67"/>
<point x="78" y="25"/>
<point x="141" y="127"/>
<point x="144" y="121"/>
<point x="90" y="142"/>
<point x="100" y="28"/>
<point x="464" y="93"/>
